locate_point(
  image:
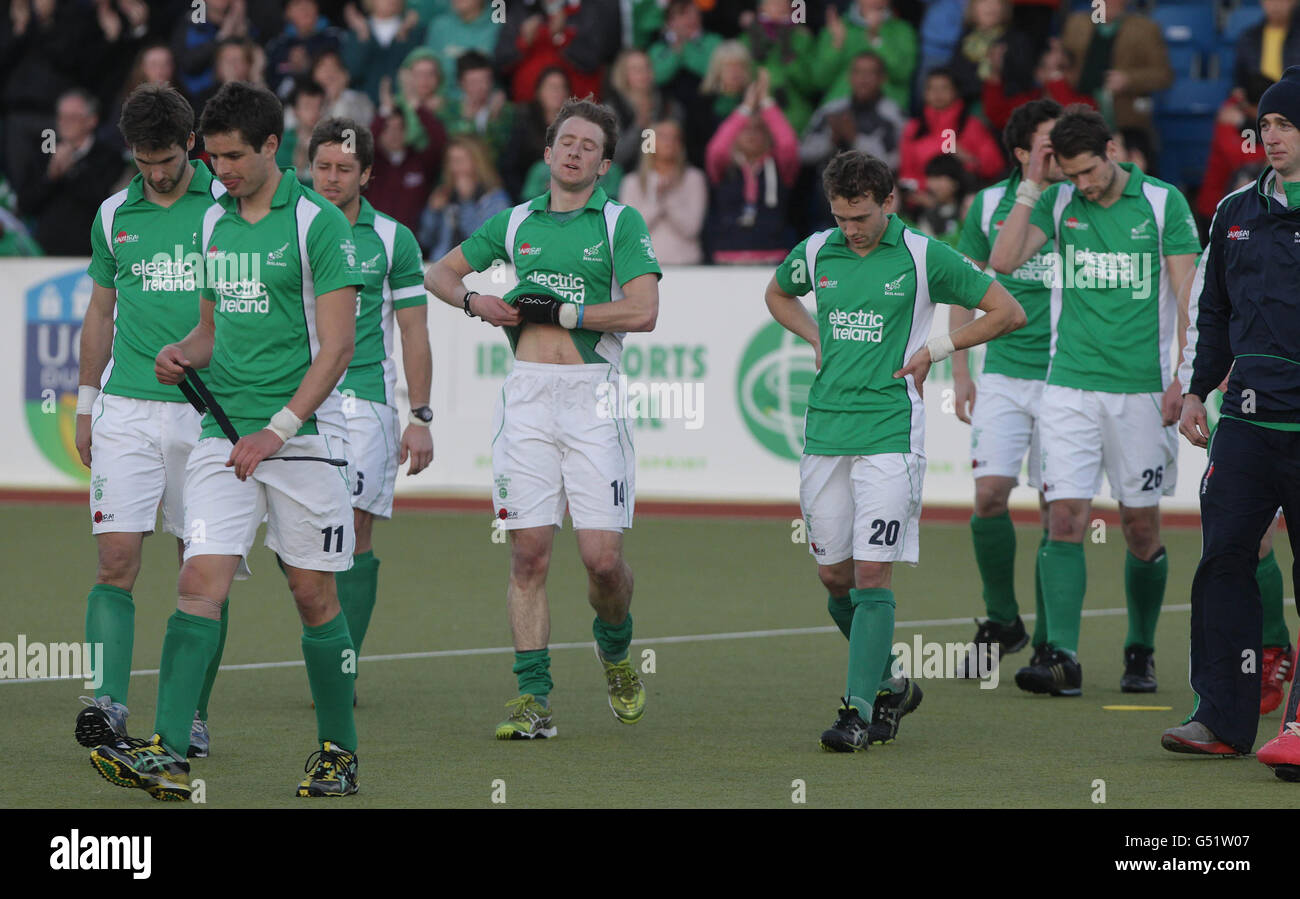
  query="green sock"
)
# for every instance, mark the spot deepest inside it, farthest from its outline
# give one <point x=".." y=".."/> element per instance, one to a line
<point x="206" y="693"/>
<point x="188" y="647"/>
<point x="995" y="554"/>
<point x="533" y="672"/>
<point x="887" y="676"/>
<point x="110" y="621"/>
<point x="870" y="642"/>
<point x="841" y="609"/>
<point x="323" y="649"/>
<point x="1144" y="588"/>
<point x="1065" y="579"/>
<point x="613" y="639"/>
<point x="357" y="588"/>
<point x="1040" y="611"/>
<point x="1269" y="578"/>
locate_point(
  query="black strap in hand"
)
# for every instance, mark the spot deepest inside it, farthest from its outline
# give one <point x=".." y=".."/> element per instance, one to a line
<point x="538" y="308"/>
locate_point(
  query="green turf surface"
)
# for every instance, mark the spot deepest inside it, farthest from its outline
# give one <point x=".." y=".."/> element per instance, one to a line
<point x="729" y="722"/>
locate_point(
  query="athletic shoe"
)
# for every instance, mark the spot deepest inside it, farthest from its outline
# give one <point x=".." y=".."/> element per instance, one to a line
<point x="1008" y="638"/>
<point x="146" y="765"/>
<point x="1194" y="738"/>
<point x="626" y="692"/>
<point x="529" y="720"/>
<point x="1041" y="651"/>
<point x="889" y="711"/>
<point x="200" y="739"/>
<point x="101" y="721"/>
<point x="1282" y="753"/>
<point x="1139" y="670"/>
<point x="334" y="772"/>
<point x="848" y="733"/>
<point x="1055" y="672"/>
<point x="1274" y="674"/>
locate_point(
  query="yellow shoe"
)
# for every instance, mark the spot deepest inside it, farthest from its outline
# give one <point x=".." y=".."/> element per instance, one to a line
<point x="146" y="765"/>
<point x="334" y="774"/>
<point x="529" y="720"/>
<point x="626" y="692"/>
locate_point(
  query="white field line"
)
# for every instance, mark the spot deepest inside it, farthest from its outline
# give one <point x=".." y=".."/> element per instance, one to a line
<point x="686" y="638"/>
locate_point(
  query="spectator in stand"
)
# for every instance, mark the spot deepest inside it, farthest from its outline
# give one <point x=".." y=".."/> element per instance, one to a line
<point x="407" y="157"/>
<point x="304" y="112"/>
<point x="783" y="48"/>
<point x="581" y="37"/>
<point x="194" y="44"/>
<point x="941" y="206"/>
<point x="377" y="42"/>
<point x="123" y="26"/>
<point x="671" y="195"/>
<point x="233" y="61"/>
<point x="1229" y="150"/>
<point x="306" y="35"/>
<point x="865" y="120"/>
<point x="153" y="65"/>
<point x="870" y="26"/>
<point x="725" y="18"/>
<point x="942" y="117"/>
<point x="1269" y="47"/>
<point x="681" y="55"/>
<point x="529" y="137"/>
<point x="1036" y="20"/>
<point x="939" y="35"/>
<point x="482" y="109"/>
<point x="637" y="102"/>
<point x="731" y="72"/>
<point x="1134" y="145"/>
<point x="470" y="193"/>
<point x="752" y="163"/>
<point x="341" y="101"/>
<point x="1120" y="61"/>
<point x="973" y="59"/>
<point x="420" y="82"/>
<point x="1049" y="80"/>
<point x="469" y="25"/>
<point x="82" y="171"/>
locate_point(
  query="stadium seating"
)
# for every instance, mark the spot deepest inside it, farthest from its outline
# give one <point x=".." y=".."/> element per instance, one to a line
<point x="1184" y="120"/>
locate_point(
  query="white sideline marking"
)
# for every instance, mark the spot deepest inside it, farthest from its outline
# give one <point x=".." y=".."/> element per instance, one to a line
<point x="586" y="644"/>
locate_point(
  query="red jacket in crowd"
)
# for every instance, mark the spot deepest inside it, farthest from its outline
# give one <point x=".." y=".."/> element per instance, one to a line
<point x="985" y="160"/>
<point x="1227" y="154"/>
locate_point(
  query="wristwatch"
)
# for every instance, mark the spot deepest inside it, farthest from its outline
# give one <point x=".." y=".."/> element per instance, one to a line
<point x="422" y="416"/>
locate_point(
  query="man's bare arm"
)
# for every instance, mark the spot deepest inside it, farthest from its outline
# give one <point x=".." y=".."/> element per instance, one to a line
<point x="637" y="311"/>
<point x="445" y="279"/>
<point x="194" y="349"/>
<point x="791" y="314"/>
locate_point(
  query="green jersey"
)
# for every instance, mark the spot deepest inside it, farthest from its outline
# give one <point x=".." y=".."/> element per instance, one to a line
<point x="873" y="313"/>
<point x="265" y="278"/>
<point x="150" y="255"/>
<point x="1023" y="353"/>
<point x="393" y="271"/>
<point x="1113" y="308"/>
<point x="586" y="258"/>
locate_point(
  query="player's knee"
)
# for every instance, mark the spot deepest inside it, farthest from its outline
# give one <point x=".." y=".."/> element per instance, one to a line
<point x="118" y="566"/>
<point x="990" y="502"/>
<point x="528" y="564"/>
<point x="1065" y="522"/>
<point x="194" y="585"/>
<point x="312" y="597"/>
<point x="837" y="582"/>
<point x="605" y="567"/>
<point x="362" y="526"/>
<point x="871" y="575"/>
<point x="1141" y="533"/>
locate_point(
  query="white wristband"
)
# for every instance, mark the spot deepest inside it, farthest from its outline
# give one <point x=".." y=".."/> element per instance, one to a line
<point x="86" y="397"/>
<point x="1027" y="194"/>
<point x="940" y="347"/>
<point x="284" y="424"/>
<point x="569" y="315"/>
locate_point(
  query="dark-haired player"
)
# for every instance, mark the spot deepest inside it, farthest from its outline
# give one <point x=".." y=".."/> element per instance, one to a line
<point x="587" y="274"/>
<point x="276" y="329"/>
<point x="1124" y="241"/>
<point x="341" y="154"/>
<point x="133" y="433"/>
<point x="876" y="282"/>
<point x="1004" y="421"/>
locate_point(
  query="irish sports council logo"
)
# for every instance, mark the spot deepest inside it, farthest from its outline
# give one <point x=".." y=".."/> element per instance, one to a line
<point x="54" y="310"/>
<point x="774" y="376"/>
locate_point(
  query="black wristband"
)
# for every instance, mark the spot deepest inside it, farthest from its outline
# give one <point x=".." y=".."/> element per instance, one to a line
<point x="468" y="294"/>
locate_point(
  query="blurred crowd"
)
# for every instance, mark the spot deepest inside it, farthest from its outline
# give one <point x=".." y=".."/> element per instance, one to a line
<point x="730" y="109"/>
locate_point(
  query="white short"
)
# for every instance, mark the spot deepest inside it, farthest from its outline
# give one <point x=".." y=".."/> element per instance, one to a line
<point x="374" y="437"/>
<point x="557" y="438"/>
<point x="138" y="451"/>
<point x="305" y="504"/>
<point x="1004" y="435"/>
<point x="862" y="507"/>
<point x="1086" y="431"/>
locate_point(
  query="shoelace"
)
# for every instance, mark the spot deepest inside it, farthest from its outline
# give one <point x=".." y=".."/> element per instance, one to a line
<point x="519" y="709"/>
<point x="326" y="764"/>
<point x="1293" y="728"/>
<point x="622" y="678"/>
